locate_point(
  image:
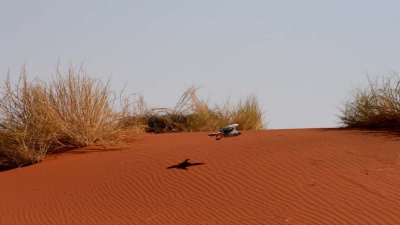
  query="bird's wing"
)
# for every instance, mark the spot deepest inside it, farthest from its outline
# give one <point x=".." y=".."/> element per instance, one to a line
<point x="231" y="126"/>
<point x="227" y="129"/>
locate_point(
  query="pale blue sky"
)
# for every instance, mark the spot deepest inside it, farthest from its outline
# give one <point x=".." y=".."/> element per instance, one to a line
<point x="300" y="58"/>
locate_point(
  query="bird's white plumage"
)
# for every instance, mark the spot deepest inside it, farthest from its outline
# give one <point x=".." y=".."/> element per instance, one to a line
<point x="227" y="131"/>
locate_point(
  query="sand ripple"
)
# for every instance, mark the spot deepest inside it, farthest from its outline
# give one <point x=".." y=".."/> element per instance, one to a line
<point x="304" y="176"/>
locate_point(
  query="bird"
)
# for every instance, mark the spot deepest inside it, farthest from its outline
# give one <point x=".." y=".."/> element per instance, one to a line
<point x="228" y="131"/>
<point x="183" y="165"/>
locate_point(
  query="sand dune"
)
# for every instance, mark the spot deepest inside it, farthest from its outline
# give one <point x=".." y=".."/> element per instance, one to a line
<point x="299" y="176"/>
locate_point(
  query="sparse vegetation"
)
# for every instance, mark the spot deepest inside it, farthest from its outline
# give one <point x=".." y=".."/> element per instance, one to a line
<point x="73" y="110"/>
<point x="374" y="107"/>
<point x="37" y="117"/>
<point x="192" y="114"/>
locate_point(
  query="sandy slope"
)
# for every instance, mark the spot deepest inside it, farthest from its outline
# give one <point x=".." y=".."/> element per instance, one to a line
<point x="305" y="176"/>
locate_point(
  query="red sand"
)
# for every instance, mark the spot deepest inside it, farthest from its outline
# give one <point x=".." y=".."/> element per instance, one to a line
<point x="304" y="176"/>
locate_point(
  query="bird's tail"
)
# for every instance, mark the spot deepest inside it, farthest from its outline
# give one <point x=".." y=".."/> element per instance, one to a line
<point x="213" y="134"/>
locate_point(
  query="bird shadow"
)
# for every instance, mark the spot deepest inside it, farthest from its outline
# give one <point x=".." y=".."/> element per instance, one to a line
<point x="184" y="165"/>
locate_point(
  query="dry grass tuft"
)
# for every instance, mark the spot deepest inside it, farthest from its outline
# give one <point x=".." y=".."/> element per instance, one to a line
<point x="37" y="117"/>
<point x="82" y="110"/>
<point x="375" y="107"/>
<point x="193" y="114"/>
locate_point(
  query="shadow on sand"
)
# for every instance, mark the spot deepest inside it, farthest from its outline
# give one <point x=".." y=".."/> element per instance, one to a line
<point x="184" y="165"/>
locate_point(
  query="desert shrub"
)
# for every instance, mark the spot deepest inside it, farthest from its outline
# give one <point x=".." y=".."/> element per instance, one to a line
<point x="248" y="114"/>
<point x="374" y="107"/>
<point x="23" y="130"/>
<point x="193" y="114"/>
<point x="165" y="123"/>
<point x="36" y="117"/>
<point x="84" y="109"/>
